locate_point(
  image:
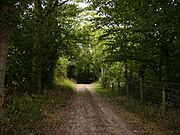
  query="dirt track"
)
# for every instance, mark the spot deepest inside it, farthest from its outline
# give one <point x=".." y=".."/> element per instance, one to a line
<point x="90" y="114"/>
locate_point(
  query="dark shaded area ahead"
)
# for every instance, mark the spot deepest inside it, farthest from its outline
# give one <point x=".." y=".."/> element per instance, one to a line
<point x="82" y="76"/>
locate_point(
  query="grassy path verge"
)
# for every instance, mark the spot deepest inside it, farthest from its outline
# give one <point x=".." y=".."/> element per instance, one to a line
<point x="145" y="118"/>
<point x="29" y="114"/>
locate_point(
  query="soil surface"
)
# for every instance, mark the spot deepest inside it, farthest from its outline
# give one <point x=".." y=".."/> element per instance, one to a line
<point x="89" y="114"/>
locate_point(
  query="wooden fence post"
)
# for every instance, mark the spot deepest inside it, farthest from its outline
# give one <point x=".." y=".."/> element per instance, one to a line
<point x="163" y="102"/>
<point x="141" y="89"/>
<point x="112" y="84"/>
<point x="116" y="88"/>
<point x="127" y="89"/>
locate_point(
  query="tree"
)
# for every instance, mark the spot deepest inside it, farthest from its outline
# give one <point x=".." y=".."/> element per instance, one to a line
<point x="140" y="32"/>
<point x="41" y="14"/>
<point x="6" y="10"/>
<point x="54" y="40"/>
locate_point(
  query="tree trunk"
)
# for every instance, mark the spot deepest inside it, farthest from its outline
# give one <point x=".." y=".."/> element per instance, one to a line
<point x="4" y="42"/>
<point x="37" y="54"/>
<point x="5" y="31"/>
<point x="41" y="13"/>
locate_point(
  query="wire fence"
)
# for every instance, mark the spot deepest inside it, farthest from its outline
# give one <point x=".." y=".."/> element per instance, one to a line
<point x="164" y="95"/>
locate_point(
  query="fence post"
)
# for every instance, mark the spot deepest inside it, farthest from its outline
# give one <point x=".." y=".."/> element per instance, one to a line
<point x="141" y="89"/>
<point x="116" y="88"/>
<point x="112" y="85"/>
<point x="119" y="86"/>
<point x="127" y="88"/>
<point x="126" y="79"/>
<point x="163" y="102"/>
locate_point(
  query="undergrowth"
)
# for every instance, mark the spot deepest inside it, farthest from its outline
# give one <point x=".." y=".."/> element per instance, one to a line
<point x="28" y="114"/>
<point x="147" y="111"/>
<point x="65" y="84"/>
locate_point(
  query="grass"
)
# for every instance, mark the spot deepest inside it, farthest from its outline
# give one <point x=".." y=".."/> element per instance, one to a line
<point x="65" y="84"/>
<point x="147" y="111"/>
<point x="28" y="114"/>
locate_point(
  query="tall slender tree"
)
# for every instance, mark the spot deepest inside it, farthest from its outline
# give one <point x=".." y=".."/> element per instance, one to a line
<point x="6" y="10"/>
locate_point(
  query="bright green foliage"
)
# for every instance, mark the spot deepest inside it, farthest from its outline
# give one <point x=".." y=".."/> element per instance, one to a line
<point x="139" y="43"/>
<point x="65" y="84"/>
<point x="144" y="33"/>
<point x="61" y="68"/>
<point x="25" y="59"/>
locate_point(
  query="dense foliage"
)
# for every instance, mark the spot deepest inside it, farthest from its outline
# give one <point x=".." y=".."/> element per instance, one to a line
<point x="121" y="43"/>
<point x="29" y="61"/>
<point x="142" y="34"/>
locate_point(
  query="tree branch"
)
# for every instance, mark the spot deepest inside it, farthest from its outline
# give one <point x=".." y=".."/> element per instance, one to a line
<point x="53" y="6"/>
<point x="62" y="3"/>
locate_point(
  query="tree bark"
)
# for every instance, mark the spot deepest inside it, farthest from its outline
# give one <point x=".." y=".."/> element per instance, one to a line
<point x="41" y="13"/>
<point x="37" y="60"/>
<point x="5" y="31"/>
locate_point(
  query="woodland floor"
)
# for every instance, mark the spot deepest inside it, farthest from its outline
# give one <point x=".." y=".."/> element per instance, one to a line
<point x="88" y="113"/>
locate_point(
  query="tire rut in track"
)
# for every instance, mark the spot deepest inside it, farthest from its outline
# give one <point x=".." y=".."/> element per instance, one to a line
<point x="90" y="114"/>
